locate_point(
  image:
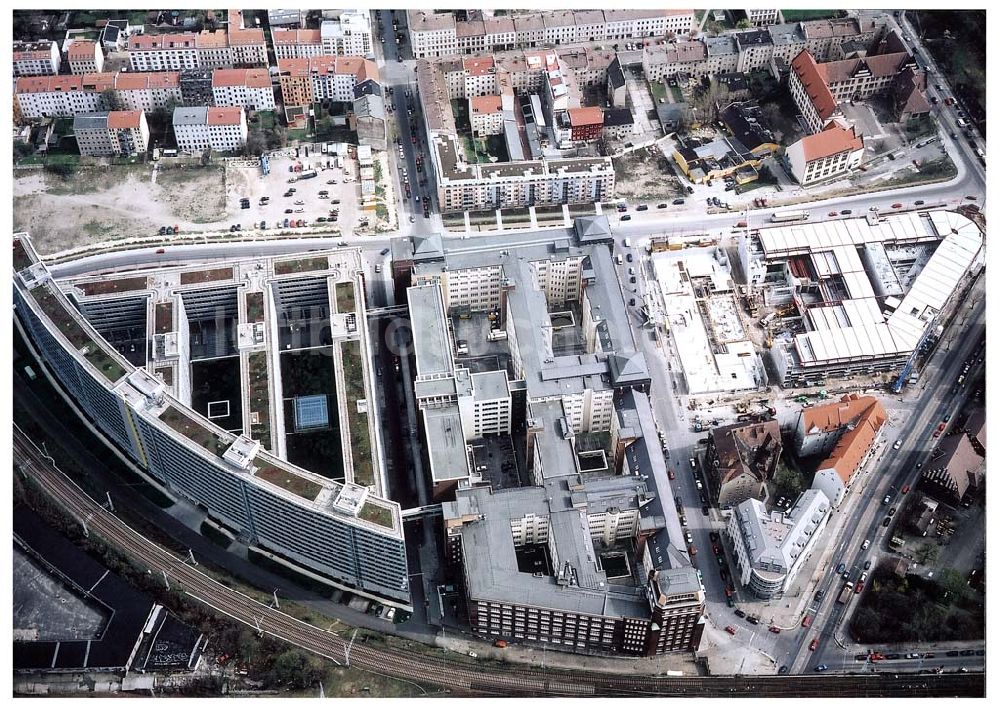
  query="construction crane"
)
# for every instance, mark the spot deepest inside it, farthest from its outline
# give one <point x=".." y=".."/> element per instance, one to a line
<point x="897" y="386"/>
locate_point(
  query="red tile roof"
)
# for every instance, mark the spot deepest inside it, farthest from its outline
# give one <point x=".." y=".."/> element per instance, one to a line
<point x="809" y="75"/>
<point x="124" y="119"/>
<point x="81" y="49"/>
<point x="224" y="116"/>
<point x="253" y="78"/>
<point x="861" y="418"/>
<point x="588" y="116"/>
<point x="485" y="104"/>
<point x="831" y="140"/>
<point x="294" y="37"/>
<point x="478" y="66"/>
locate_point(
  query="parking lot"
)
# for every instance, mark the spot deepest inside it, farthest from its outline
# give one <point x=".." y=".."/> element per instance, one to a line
<point x="293" y="198"/>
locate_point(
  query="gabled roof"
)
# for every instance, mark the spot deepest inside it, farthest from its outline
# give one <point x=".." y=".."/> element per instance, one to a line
<point x="861" y="418"/>
<point x="224" y="115"/>
<point x="124" y="119"/>
<point x="819" y="93"/>
<point x="832" y="140"/>
<point x="82" y="49"/>
<point x="587" y="116"/>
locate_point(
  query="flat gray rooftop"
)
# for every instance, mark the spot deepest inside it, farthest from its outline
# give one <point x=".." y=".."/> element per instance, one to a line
<point x="431" y="343"/>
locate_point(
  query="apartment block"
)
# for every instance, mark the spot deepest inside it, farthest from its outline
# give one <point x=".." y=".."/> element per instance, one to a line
<point x="741" y="460"/>
<point x="439" y="34"/>
<point x="761" y="17"/>
<point x="189" y="50"/>
<point x="63" y="95"/>
<point x="833" y="152"/>
<point x="111" y="133"/>
<point x="486" y="115"/>
<point x="306" y="80"/>
<point x="40" y="58"/>
<point x="196" y="87"/>
<point x="248" y="88"/>
<point x="350" y="35"/>
<point x="141" y="91"/>
<point x="296" y="43"/>
<point x="197" y="128"/>
<point x="85" y="57"/>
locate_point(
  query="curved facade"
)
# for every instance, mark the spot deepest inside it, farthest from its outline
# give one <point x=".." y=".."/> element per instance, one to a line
<point x="340" y="533"/>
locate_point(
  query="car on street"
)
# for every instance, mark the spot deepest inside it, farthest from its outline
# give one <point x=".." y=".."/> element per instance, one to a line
<point x="626" y="217"/>
<point x="866" y="544"/>
<point x="885" y="501"/>
<point x="774" y="629"/>
<point x="845" y="211"/>
<point x="892" y="511"/>
<point x="819" y="595"/>
<point x="384" y="251"/>
<point x="841" y="567"/>
<point x="906" y="488"/>
<point x="821" y="667"/>
<point x="783" y="670"/>
<point x="753" y="620"/>
<point x="897" y="445"/>
<point x="671" y="475"/>
<point x="740" y="613"/>
<point x="886" y="521"/>
<point x="868" y="564"/>
<point x="832" y="214"/>
<point x="814" y="644"/>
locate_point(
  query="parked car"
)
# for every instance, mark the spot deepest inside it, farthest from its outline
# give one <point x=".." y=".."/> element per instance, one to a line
<point x="814" y="644"/>
<point x="774" y="629"/>
<point x="626" y="217"/>
<point x="740" y="613"/>
<point x="731" y="630"/>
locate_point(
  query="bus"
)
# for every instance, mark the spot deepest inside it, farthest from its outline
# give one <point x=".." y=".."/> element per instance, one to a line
<point x="794" y="216"/>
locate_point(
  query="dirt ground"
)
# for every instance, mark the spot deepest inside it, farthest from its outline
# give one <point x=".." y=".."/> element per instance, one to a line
<point x="97" y="204"/>
<point x="645" y="175"/>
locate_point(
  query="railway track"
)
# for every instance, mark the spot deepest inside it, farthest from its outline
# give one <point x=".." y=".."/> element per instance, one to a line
<point x="468" y="678"/>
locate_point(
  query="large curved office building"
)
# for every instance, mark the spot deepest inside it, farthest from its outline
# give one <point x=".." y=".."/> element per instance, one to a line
<point x="123" y="349"/>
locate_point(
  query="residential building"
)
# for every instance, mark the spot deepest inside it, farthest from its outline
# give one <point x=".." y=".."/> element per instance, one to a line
<point x="350" y="35"/>
<point x="832" y="153"/>
<point x="761" y="17"/>
<point x="585" y="123"/>
<point x="63" y="95"/>
<point x="40" y="58"/>
<point x="755" y="49"/>
<point x="957" y="473"/>
<point x="345" y="534"/>
<point x="286" y="18"/>
<point x="188" y="50"/>
<point x="196" y="87"/>
<point x="619" y="124"/>
<point x="486" y="115"/>
<point x="111" y="133"/>
<point x="248" y="88"/>
<point x="848" y="431"/>
<point x="197" y="128"/>
<point x="85" y="57"/>
<point x="741" y="459"/>
<point x="115" y="34"/>
<point x="439" y="34"/>
<point x="296" y="43"/>
<point x="616" y="88"/>
<point x="770" y="548"/>
<point x="306" y="80"/>
<point x="142" y="91"/>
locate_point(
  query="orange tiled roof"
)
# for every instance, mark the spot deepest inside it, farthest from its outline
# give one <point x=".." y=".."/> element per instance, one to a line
<point x="861" y="418"/>
<point x="124" y="119"/>
<point x="224" y="116"/>
<point x="587" y="116"/>
<point x="81" y="49"/>
<point x="831" y="140"/>
<point x="812" y="80"/>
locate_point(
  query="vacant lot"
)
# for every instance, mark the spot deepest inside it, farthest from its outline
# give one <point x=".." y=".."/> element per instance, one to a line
<point x="643" y="176"/>
<point x="102" y="204"/>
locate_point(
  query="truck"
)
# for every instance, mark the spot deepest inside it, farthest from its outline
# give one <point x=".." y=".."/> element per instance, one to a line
<point x="846" y="593"/>
<point x="791" y="216"/>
